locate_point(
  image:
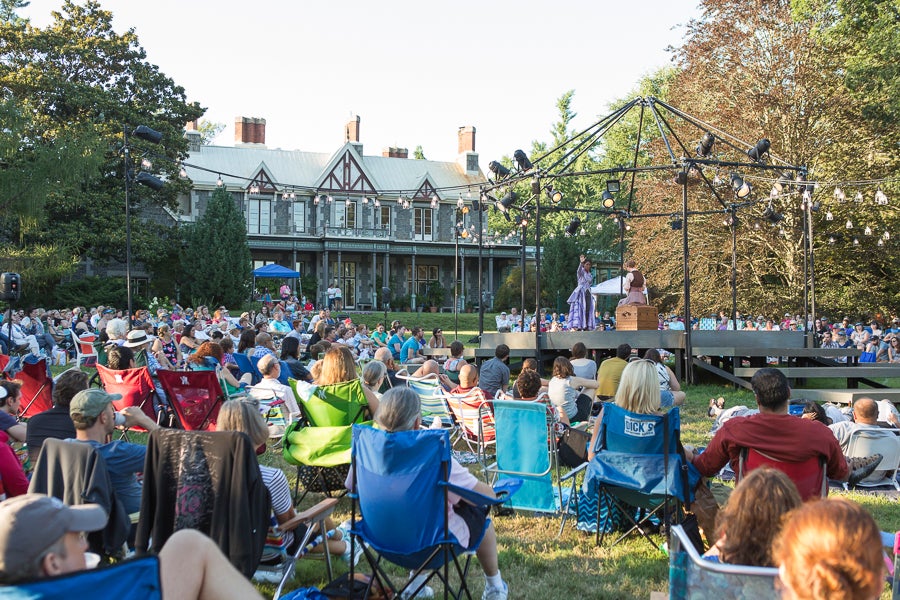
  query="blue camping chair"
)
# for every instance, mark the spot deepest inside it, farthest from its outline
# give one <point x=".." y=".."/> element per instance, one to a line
<point x="133" y="578"/>
<point x="402" y="478"/>
<point x="526" y="449"/>
<point x="639" y="463"/>
<point x="247" y="365"/>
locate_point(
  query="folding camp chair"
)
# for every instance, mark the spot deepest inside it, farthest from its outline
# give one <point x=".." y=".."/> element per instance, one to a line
<point x="692" y="577"/>
<point x="431" y="397"/>
<point x="866" y="442"/>
<point x="85" y="352"/>
<point x="319" y="443"/>
<point x="476" y="426"/>
<point x="247" y="365"/>
<point x="526" y="449"/>
<point x="136" y="388"/>
<point x="37" y="387"/>
<point x="808" y="475"/>
<point x="312" y="517"/>
<point x="195" y="397"/>
<point x="403" y="477"/>
<point x="639" y="464"/>
<point x="208" y="481"/>
<point x="132" y="578"/>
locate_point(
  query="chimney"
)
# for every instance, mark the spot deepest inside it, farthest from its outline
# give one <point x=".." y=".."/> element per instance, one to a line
<point x="192" y="125"/>
<point x="466" y="139"/>
<point x="467" y="158"/>
<point x="393" y="152"/>
<point x="351" y="129"/>
<point x="259" y="131"/>
<point x="249" y="130"/>
<point x="195" y="140"/>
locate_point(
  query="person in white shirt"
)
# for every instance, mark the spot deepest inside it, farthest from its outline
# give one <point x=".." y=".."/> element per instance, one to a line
<point x="338" y="298"/>
<point x="330" y="293"/>
<point x="583" y="366"/>
<point x="270" y="368"/>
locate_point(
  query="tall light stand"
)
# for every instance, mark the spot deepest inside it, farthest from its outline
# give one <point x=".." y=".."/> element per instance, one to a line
<point x="127" y="155"/>
<point x="688" y="350"/>
<point x="522" y="229"/>
<point x="456" y="281"/>
<point x="536" y="191"/>
<point x="734" y="225"/>
<point x="480" y="268"/>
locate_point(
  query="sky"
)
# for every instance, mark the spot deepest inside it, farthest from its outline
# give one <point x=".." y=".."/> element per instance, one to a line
<point x="413" y="71"/>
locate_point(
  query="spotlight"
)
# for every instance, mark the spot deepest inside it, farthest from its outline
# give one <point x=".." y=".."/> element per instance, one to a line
<point x="522" y="160"/>
<point x="741" y="188"/>
<point x="573" y="227"/>
<point x="497" y="169"/>
<point x="608" y="200"/>
<point x="771" y="216"/>
<point x="613" y="186"/>
<point x="554" y="195"/>
<point x="731" y="221"/>
<point x="705" y="145"/>
<point x="154" y="183"/>
<point x="680" y="177"/>
<point x="504" y="203"/>
<point x="782" y="182"/>
<point x="676" y="223"/>
<point x="147" y="134"/>
<point x="756" y="152"/>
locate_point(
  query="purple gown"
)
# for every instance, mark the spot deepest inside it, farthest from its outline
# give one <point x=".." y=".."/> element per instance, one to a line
<point x="581" y="303"/>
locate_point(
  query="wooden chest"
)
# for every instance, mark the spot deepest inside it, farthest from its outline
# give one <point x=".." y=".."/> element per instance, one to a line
<point x="635" y="317"/>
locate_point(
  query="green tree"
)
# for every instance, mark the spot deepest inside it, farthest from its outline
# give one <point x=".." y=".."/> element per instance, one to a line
<point x="209" y="130"/>
<point x="418" y="153"/>
<point x="216" y="256"/>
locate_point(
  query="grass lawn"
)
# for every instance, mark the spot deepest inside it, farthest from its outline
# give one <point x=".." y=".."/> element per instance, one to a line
<point x="538" y="565"/>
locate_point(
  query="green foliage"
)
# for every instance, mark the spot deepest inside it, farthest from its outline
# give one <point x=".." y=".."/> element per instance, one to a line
<point x="91" y="291"/>
<point x="209" y="130"/>
<point x="308" y="286"/>
<point x="436" y="294"/>
<point x="217" y="257"/>
<point x="418" y="153"/>
<point x="40" y="266"/>
<point x="509" y="293"/>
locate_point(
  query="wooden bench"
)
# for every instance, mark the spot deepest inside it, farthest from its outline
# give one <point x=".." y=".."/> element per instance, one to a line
<point x="430" y="352"/>
<point x="848" y="396"/>
<point x="853" y="374"/>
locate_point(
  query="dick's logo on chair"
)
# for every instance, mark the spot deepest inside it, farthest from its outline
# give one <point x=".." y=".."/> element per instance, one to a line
<point x="638" y="428"/>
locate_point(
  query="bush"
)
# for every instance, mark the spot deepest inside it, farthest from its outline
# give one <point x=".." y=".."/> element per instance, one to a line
<point x="92" y="291"/>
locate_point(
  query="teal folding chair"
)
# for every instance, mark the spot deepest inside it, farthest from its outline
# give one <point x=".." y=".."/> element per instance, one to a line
<point x="526" y="450"/>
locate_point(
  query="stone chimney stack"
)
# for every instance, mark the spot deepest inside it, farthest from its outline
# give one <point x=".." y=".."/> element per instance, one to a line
<point x="393" y="152"/>
<point x="468" y="158"/>
<point x="351" y="129"/>
<point x="249" y="130"/>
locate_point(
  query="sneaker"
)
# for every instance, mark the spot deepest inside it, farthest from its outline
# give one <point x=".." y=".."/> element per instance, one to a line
<point x="357" y="550"/>
<point x="492" y="593"/>
<point x="424" y="593"/>
<point x="862" y="467"/>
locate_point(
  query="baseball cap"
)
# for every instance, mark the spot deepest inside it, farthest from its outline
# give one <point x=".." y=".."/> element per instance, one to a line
<point x="31" y="523"/>
<point x="91" y="402"/>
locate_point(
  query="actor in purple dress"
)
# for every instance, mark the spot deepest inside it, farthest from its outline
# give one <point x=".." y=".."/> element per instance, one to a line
<point x="581" y="301"/>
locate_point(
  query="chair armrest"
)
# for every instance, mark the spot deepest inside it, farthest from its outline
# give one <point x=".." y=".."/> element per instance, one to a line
<point x="319" y="511"/>
<point x="480" y="499"/>
<point x="574" y="472"/>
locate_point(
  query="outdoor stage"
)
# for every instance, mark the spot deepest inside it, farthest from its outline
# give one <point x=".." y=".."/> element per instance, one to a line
<point x="731" y="355"/>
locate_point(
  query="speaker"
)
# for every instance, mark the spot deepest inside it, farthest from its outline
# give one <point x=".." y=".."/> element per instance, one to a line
<point x="10" y="286"/>
<point x="385" y="295"/>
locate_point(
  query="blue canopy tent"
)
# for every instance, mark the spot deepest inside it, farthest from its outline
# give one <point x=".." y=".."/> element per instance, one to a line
<point x="276" y="272"/>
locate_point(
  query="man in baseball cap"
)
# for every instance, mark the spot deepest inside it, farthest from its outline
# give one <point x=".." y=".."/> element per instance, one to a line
<point x="42" y="537"/>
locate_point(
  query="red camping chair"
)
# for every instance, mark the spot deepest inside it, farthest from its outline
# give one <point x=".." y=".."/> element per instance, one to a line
<point x="37" y="388"/>
<point x="135" y="386"/>
<point x="808" y="476"/>
<point x="195" y="397"/>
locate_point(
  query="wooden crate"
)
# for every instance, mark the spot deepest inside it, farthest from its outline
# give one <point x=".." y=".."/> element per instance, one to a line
<point x="634" y="317"/>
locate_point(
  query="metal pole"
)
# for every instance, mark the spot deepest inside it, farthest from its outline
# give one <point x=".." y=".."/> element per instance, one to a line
<point x="806" y="218"/>
<point x="537" y="271"/>
<point x="456" y="281"/>
<point x="812" y="276"/>
<point x="734" y="266"/>
<point x="522" y="300"/>
<point x="688" y="351"/>
<point x="480" y="257"/>
<point x="127" y="154"/>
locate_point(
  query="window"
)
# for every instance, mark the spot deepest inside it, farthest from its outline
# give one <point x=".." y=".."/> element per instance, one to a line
<point x="422" y="223"/>
<point x="346" y="281"/>
<point x="384" y="217"/>
<point x="345" y="214"/>
<point x="424" y="276"/>
<point x="299" y="217"/>
<point x="259" y="215"/>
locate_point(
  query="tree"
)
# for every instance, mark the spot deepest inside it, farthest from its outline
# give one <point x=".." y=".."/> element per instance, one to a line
<point x="216" y="256"/>
<point x="76" y="85"/>
<point x="8" y="9"/>
<point x="418" y="153"/>
<point x="209" y="130"/>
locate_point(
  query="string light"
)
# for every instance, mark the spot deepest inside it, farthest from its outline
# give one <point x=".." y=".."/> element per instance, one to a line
<point x="365" y="200"/>
<point x="839" y="195"/>
<point x="849" y="224"/>
<point x="329" y="199"/>
<point x="460" y="204"/>
<point x="880" y="198"/>
<point x="855" y="241"/>
<point x="881" y="242"/>
<point x="858" y="197"/>
<point x="831" y="240"/>
<point x="377" y="203"/>
<point x="219" y="182"/>
<point x="183" y="174"/>
<point x="829" y="216"/>
<point x="434" y="201"/>
<point x="146" y="164"/>
<point x="868" y="230"/>
<point x="886" y="235"/>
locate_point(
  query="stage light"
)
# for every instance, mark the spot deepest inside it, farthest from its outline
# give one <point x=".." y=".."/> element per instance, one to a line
<point x="608" y="200"/>
<point x="771" y="216"/>
<point x="460" y="203"/>
<point x="613" y="186"/>
<point x="731" y="221"/>
<point x="154" y="183"/>
<point x="497" y="169"/>
<point x="680" y="177"/>
<point x="705" y="145"/>
<point x="555" y="196"/>
<point x="147" y="134"/>
<point x="676" y="224"/>
<point x="741" y="188"/>
<point x="573" y="227"/>
<point x="522" y="160"/>
<point x="756" y="152"/>
<point x="782" y="182"/>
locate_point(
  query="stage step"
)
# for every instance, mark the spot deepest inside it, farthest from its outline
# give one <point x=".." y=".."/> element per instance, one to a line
<point x="848" y="396"/>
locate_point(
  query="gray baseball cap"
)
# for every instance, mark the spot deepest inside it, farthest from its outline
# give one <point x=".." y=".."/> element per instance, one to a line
<point x="31" y="523"/>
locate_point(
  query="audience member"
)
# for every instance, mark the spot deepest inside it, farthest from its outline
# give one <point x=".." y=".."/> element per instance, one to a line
<point x="270" y="368"/>
<point x="456" y="360"/>
<point x="411" y="350"/>
<point x="581" y="365"/>
<point x="384" y="355"/>
<point x="610" y="372"/>
<point x="290" y="354"/>
<point x="830" y="549"/>
<point x="668" y="383"/>
<point x="338" y="366"/>
<point x="373" y="376"/>
<point x="494" y="374"/>
<point x="10" y="401"/>
<point x="565" y="392"/>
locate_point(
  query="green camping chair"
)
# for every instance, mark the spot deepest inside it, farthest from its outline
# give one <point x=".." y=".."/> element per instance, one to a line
<point x="319" y="443"/>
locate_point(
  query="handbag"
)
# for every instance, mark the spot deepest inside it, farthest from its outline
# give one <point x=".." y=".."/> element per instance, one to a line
<point x="572" y="447"/>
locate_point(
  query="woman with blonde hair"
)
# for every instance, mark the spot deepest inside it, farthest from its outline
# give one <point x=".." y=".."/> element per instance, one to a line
<point x="830" y="549"/>
<point x="244" y="416"/>
<point x="338" y="366"/>
<point x="753" y="517"/>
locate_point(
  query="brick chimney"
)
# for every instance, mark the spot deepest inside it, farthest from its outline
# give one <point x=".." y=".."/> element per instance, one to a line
<point x="192" y="125"/>
<point x="249" y="130"/>
<point x="393" y="152"/>
<point x="351" y="129"/>
<point x="467" y="158"/>
<point x="466" y="139"/>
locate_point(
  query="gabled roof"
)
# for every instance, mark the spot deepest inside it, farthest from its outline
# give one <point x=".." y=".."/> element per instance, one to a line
<point x="346" y="172"/>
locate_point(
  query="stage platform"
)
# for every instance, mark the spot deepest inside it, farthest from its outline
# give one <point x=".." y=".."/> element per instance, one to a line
<point x="722" y="353"/>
